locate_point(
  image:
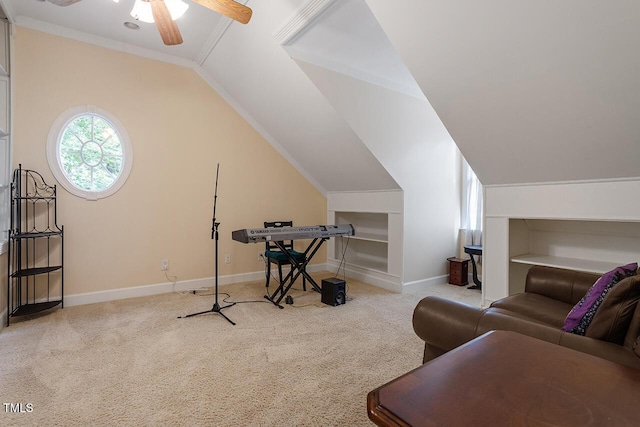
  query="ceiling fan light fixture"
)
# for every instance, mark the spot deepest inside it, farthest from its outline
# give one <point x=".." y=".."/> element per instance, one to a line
<point x="142" y="10"/>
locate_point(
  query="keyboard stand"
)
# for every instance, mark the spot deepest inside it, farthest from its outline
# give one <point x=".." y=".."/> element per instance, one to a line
<point x="297" y="268"/>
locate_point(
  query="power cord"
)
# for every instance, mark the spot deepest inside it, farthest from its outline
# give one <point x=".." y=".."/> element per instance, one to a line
<point x="227" y="300"/>
<point x="343" y="265"/>
<point x="308" y="305"/>
<point x="174" y="281"/>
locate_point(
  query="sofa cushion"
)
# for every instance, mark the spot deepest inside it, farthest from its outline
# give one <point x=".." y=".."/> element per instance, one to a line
<point x="536" y="307"/>
<point x="581" y="315"/>
<point x="613" y="317"/>
<point x="504" y="320"/>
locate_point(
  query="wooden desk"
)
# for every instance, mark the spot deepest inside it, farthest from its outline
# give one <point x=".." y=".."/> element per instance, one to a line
<point x="474" y="250"/>
<point x="507" y="379"/>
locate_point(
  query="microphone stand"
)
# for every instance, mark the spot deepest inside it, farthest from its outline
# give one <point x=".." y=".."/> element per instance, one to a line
<point x="214" y="235"/>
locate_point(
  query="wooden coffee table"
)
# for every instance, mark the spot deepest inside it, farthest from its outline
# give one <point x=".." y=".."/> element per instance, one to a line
<point x="503" y="378"/>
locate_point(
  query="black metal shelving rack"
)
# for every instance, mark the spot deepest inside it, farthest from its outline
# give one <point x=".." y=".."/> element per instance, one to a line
<point x="36" y="243"/>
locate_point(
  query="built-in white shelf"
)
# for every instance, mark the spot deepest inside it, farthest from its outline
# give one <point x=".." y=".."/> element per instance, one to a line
<point x="366" y="260"/>
<point x="368" y="248"/>
<point x="370" y="238"/>
<point x="586" y="265"/>
<point x="591" y="246"/>
<point x="374" y="253"/>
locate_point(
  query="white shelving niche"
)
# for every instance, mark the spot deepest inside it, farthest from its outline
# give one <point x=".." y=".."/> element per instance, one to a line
<point x="374" y="253"/>
<point x="582" y="245"/>
<point x="369" y="247"/>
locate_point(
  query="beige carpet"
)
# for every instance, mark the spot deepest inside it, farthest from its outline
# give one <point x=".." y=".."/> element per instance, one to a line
<point x="132" y="362"/>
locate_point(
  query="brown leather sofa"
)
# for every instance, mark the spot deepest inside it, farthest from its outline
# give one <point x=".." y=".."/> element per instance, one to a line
<point x="540" y="311"/>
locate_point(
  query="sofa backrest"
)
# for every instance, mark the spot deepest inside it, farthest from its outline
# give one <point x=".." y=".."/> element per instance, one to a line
<point x="563" y="285"/>
<point x="618" y="317"/>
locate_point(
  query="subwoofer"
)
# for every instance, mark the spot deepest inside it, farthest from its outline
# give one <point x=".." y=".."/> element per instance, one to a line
<point x="333" y="291"/>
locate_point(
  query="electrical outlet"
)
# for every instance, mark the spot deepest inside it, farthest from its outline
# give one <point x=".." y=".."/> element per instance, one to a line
<point x="227" y="259"/>
<point x="164" y="264"/>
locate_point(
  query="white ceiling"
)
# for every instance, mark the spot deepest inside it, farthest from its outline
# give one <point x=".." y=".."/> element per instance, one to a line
<point x="105" y="19"/>
<point x="531" y="91"/>
<point x="247" y="65"/>
<point x="255" y="73"/>
<point x="362" y="51"/>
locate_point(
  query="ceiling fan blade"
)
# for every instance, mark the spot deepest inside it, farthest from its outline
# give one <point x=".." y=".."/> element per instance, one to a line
<point x="63" y="2"/>
<point x="228" y="8"/>
<point x="166" y="26"/>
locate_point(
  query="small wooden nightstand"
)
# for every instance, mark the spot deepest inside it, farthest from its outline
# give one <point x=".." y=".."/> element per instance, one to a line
<point x="458" y="271"/>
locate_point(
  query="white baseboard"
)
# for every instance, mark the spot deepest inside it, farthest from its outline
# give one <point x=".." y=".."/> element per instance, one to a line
<point x="424" y="284"/>
<point x="373" y="277"/>
<point x="162" y="288"/>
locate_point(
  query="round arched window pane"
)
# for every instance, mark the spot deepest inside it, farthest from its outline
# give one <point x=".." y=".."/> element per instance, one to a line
<point x="89" y="152"/>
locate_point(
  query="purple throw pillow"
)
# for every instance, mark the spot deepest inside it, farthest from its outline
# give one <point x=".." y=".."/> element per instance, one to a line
<point x="580" y="316"/>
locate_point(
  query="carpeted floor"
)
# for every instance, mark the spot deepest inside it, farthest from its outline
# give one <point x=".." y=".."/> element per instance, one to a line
<point x="133" y="362"/>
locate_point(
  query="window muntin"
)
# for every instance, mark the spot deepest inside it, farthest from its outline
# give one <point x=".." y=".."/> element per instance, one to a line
<point x="89" y="152"/>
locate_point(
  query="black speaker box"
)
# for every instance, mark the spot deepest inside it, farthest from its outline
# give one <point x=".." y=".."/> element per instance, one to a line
<point x="333" y="292"/>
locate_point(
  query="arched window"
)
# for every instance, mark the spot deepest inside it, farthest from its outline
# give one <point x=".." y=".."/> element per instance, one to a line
<point x="89" y="152"/>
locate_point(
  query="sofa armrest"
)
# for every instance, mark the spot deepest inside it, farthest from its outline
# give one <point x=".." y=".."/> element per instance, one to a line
<point x="444" y="324"/>
<point x="447" y="324"/>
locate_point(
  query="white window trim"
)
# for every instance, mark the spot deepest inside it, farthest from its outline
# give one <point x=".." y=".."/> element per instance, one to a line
<point x="53" y="141"/>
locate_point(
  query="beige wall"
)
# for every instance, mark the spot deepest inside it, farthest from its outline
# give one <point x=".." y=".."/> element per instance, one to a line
<point x="3" y="290"/>
<point x="179" y="129"/>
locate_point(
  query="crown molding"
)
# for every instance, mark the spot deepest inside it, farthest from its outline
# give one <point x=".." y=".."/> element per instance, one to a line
<point x="301" y="19"/>
<point x="212" y="41"/>
<point x="80" y="36"/>
<point x="567" y="182"/>
<point x="214" y="38"/>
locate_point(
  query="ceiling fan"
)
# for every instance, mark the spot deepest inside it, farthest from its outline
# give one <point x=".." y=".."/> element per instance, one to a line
<point x="167" y="26"/>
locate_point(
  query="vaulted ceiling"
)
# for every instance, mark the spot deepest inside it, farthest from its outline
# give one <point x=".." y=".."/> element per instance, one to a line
<point x="531" y="91"/>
